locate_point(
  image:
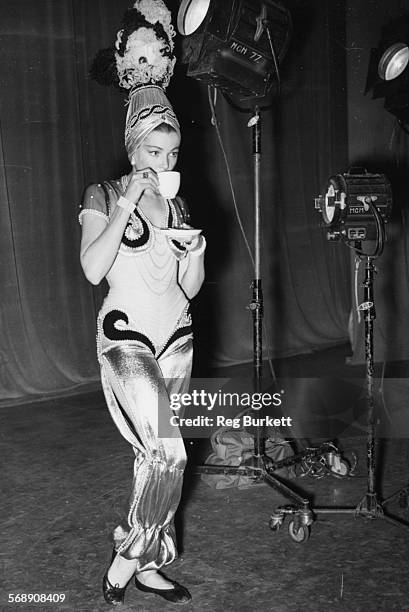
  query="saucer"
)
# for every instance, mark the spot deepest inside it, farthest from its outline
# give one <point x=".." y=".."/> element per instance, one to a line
<point x="180" y="233"/>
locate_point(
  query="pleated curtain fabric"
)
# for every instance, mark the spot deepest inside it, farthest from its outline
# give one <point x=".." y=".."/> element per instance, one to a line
<point x="48" y="153"/>
<point x="60" y="131"/>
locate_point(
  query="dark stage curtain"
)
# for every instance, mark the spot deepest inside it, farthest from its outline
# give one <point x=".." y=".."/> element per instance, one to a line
<point x="391" y="282"/>
<point x="56" y="135"/>
<point x="306" y="280"/>
<point x="378" y="143"/>
<point x="59" y="132"/>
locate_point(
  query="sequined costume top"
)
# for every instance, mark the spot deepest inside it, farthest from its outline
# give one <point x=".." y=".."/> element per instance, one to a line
<point x="145" y="303"/>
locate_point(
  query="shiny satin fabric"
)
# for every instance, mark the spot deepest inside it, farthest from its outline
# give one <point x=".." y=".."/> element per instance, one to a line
<point x="137" y="388"/>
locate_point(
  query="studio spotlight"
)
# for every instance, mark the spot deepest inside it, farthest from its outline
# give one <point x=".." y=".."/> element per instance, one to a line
<point x="393" y="62"/>
<point x="354" y="206"/>
<point x="388" y="72"/>
<point x="234" y="45"/>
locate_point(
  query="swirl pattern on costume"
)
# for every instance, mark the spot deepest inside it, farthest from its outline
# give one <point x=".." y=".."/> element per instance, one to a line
<point x="136" y="234"/>
<point x="112" y="332"/>
<point x="179" y="333"/>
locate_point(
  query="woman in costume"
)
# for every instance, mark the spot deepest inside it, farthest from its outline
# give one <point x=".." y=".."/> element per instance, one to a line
<point x="144" y="338"/>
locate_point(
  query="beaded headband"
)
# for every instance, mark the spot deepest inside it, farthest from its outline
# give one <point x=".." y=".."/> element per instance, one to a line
<point x="148" y="108"/>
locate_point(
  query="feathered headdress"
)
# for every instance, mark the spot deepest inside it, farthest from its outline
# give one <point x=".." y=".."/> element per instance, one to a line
<point x="143" y="51"/>
<point x="142" y="62"/>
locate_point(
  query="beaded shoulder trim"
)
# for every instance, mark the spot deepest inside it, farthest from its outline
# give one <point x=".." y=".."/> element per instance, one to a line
<point x="91" y="211"/>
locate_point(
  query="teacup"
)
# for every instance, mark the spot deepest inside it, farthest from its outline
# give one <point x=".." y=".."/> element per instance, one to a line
<point x="169" y="183"/>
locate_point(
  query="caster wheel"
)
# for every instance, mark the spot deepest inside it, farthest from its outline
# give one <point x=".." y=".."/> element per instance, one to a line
<point x="299" y="534"/>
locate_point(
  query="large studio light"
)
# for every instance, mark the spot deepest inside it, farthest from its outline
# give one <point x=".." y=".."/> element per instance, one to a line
<point x="393" y="62"/>
<point x="191" y="14"/>
<point x="388" y="73"/>
<point x="347" y="207"/>
<point x="235" y="45"/>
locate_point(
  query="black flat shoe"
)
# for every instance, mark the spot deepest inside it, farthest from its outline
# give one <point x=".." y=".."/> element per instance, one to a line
<point x="113" y="595"/>
<point x="176" y="594"/>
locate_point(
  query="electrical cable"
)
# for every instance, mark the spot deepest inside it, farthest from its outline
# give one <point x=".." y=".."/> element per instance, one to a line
<point x="215" y="123"/>
<point x="357" y="264"/>
<point x="226" y="161"/>
<point x="274" y="56"/>
<point x="380" y="236"/>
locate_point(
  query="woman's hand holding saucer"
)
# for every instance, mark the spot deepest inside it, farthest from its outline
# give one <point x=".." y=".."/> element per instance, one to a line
<point x="191" y="243"/>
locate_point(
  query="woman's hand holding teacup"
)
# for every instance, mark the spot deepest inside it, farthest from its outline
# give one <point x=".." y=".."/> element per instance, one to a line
<point x="141" y="181"/>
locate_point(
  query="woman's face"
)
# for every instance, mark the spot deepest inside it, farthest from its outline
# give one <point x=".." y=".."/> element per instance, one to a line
<point x="158" y="151"/>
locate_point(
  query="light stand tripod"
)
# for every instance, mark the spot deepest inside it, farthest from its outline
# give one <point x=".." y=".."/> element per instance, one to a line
<point x="347" y="196"/>
<point x="370" y="507"/>
<point x="261" y="467"/>
<point x="256" y="304"/>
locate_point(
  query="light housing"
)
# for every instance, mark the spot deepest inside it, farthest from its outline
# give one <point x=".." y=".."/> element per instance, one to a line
<point x="191" y="15"/>
<point x="388" y="71"/>
<point x="346" y="206"/>
<point x="393" y="61"/>
<point x="226" y="44"/>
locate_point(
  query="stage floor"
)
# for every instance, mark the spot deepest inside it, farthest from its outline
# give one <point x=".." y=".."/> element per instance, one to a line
<point x="66" y="473"/>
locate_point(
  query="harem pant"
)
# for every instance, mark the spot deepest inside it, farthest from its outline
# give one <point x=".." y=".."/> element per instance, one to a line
<point x="137" y="387"/>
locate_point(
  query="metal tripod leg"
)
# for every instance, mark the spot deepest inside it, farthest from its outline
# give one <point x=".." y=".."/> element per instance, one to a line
<point x="369" y="507"/>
